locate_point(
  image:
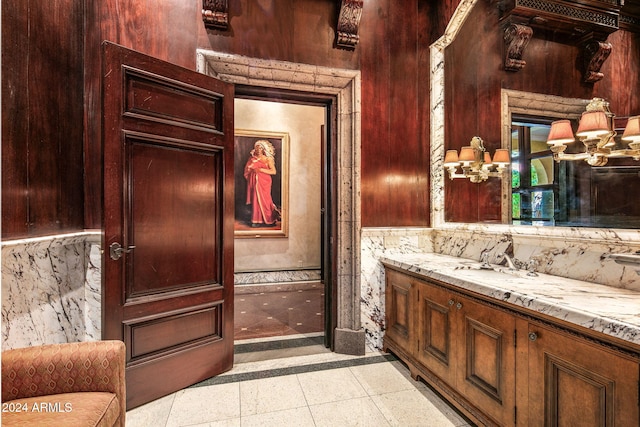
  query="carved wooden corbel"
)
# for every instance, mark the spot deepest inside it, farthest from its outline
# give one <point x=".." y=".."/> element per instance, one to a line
<point x="348" y="22"/>
<point x="516" y="38"/>
<point x="215" y="14"/>
<point x="595" y="52"/>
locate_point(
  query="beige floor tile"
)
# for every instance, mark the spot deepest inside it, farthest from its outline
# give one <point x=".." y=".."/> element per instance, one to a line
<point x="298" y="417"/>
<point x="200" y="405"/>
<point x="330" y="386"/>
<point x="360" y="412"/>
<point x="410" y="408"/>
<point x="380" y="378"/>
<point x="231" y="422"/>
<point x="270" y="395"/>
<point x="153" y="413"/>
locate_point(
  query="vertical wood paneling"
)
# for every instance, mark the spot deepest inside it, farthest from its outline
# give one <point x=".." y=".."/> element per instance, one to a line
<point x="15" y="124"/>
<point x="43" y="139"/>
<point x="375" y="67"/>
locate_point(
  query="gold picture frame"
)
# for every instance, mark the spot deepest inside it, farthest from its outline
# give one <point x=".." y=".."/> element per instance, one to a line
<point x="260" y="196"/>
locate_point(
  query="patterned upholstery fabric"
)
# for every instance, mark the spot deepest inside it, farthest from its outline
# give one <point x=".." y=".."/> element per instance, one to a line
<point x="44" y="375"/>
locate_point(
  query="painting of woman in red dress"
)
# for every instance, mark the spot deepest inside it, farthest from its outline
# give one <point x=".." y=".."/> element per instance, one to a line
<point x="259" y="169"/>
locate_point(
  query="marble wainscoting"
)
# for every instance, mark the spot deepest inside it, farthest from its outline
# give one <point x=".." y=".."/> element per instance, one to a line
<point x="377" y="243"/>
<point x="51" y="290"/>
<point x="580" y="254"/>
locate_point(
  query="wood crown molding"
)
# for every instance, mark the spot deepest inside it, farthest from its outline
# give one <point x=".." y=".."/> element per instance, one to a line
<point x="348" y="23"/>
<point x="215" y="14"/>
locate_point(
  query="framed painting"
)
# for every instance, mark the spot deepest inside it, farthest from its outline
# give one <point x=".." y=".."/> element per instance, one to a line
<point x="261" y="162"/>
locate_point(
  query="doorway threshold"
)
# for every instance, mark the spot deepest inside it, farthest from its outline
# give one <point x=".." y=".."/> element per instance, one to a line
<point x="278" y="347"/>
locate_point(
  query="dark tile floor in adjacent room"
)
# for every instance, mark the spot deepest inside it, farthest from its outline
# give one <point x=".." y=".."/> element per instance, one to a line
<point x="279" y="313"/>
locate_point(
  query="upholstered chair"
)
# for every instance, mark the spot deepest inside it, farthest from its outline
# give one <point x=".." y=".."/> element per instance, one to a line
<point x="73" y="384"/>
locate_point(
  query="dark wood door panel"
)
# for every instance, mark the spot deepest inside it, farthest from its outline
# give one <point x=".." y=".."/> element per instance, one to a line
<point x="150" y="96"/>
<point x="165" y="331"/>
<point x="173" y="217"/>
<point x="168" y="201"/>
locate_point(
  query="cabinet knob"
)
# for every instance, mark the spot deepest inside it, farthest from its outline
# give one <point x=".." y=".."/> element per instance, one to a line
<point x="451" y="302"/>
<point x="459" y="305"/>
<point x="533" y="336"/>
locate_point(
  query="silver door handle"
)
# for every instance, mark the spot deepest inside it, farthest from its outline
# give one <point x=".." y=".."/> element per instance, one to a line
<point x="116" y="250"/>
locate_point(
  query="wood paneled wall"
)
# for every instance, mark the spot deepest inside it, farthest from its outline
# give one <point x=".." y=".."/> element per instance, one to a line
<point x="47" y="54"/>
<point x="42" y="111"/>
<point x="474" y="79"/>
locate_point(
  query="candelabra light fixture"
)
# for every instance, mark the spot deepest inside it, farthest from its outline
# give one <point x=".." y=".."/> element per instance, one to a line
<point x="596" y="130"/>
<point x="476" y="162"/>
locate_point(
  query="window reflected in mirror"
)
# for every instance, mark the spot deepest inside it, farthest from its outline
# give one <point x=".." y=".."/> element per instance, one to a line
<point x="568" y="193"/>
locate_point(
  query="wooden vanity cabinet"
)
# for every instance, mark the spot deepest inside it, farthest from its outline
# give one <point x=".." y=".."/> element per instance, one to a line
<point x="501" y="366"/>
<point x="466" y="350"/>
<point x="470" y="347"/>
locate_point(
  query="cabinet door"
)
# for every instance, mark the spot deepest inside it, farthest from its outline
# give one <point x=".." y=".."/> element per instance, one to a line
<point x="398" y="313"/>
<point x="573" y="382"/>
<point x="486" y="359"/>
<point x="435" y="331"/>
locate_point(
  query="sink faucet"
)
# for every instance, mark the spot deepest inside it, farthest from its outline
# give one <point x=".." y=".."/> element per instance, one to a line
<point x="510" y="263"/>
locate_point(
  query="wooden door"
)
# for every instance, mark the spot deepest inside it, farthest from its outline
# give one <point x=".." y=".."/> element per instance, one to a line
<point x="437" y="331"/>
<point x="399" y="294"/>
<point x="486" y="359"/>
<point x="168" y="206"/>
<point x="576" y="383"/>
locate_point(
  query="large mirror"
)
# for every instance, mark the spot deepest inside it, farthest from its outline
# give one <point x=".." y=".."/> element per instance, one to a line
<point x="544" y="192"/>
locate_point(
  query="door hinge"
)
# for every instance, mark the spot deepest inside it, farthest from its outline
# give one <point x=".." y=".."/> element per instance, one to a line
<point x="515" y="338"/>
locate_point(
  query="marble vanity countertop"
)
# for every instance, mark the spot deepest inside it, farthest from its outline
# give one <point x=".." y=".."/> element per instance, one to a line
<point x="612" y="311"/>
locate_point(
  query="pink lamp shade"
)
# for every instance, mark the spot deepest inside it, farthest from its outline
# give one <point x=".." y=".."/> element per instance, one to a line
<point x="501" y="156"/>
<point x="451" y="158"/>
<point x="560" y="133"/>
<point x="467" y="154"/>
<point x="487" y="158"/>
<point x="632" y="131"/>
<point x="593" y="124"/>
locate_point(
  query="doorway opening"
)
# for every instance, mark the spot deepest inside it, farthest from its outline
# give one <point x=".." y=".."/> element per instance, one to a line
<point x="339" y="88"/>
<point x="280" y="286"/>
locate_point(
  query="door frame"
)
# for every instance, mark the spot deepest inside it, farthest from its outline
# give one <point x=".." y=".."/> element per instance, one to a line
<point x="345" y="86"/>
<point x="328" y="202"/>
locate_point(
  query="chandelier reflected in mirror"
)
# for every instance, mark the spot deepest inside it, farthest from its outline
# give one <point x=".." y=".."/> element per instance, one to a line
<point x="476" y="162"/>
<point x="597" y="132"/>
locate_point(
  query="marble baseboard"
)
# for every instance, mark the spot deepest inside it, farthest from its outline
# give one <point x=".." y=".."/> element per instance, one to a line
<point x="45" y="290"/>
<point x="280" y="277"/>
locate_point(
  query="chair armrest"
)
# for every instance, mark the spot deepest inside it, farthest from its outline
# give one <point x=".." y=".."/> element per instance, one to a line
<point x="64" y="368"/>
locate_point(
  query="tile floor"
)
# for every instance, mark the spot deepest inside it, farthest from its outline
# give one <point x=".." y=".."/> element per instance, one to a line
<point x="279" y="313"/>
<point x="319" y="389"/>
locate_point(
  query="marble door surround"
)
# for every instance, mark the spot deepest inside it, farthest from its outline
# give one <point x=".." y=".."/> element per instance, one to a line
<point x="344" y="85"/>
